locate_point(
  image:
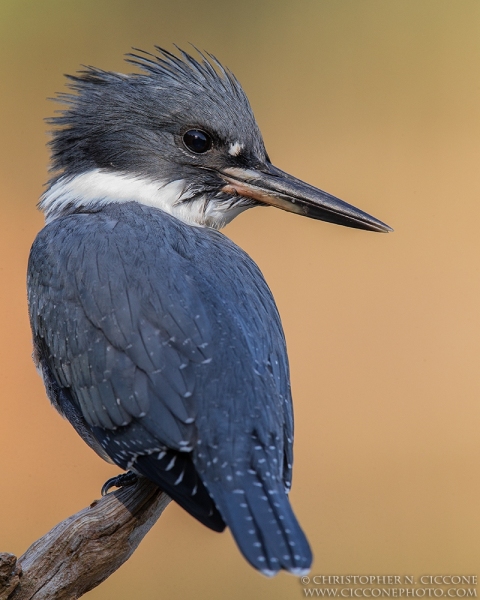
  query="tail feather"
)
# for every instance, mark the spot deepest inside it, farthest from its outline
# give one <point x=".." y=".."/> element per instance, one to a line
<point x="264" y="527"/>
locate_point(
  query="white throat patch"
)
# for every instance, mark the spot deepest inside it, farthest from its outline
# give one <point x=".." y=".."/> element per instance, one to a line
<point x="97" y="188"/>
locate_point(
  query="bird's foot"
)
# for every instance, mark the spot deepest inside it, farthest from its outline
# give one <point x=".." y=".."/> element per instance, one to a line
<point x="122" y="480"/>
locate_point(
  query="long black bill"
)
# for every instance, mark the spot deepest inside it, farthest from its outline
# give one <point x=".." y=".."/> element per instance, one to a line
<point x="276" y="188"/>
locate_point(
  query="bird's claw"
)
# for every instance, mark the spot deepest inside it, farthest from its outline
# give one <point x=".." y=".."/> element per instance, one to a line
<point x="122" y="480"/>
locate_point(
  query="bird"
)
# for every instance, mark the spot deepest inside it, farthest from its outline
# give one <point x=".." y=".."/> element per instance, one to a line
<point x="156" y="336"/>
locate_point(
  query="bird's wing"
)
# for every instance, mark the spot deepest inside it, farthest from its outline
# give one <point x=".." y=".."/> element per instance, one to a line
<point x="121" y="336"/>
<point x="124" y="341"/>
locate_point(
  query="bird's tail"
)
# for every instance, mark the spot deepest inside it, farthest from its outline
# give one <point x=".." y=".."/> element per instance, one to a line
<point x="263" y="524"/>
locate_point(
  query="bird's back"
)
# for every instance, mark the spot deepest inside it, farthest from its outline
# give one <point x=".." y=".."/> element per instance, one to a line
<point x="164" y="347"/>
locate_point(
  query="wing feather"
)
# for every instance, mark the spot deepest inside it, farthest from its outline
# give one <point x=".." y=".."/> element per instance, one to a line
<point x="140" y="337"/>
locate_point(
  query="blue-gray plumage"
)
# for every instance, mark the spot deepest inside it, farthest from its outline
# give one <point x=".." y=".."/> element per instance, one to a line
<point x="156" y="336"/>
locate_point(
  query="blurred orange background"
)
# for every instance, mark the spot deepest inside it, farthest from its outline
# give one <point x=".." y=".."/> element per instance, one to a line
<point x="378" y="103"/>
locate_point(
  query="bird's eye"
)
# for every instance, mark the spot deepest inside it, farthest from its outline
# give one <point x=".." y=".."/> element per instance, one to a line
<point x="197" y="141"/>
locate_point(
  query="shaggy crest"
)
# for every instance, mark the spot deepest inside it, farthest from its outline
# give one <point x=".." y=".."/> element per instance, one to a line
<point x="125" y="111"/>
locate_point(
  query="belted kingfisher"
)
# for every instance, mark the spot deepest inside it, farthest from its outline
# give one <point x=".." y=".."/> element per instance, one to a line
<point x="156" y="336"/>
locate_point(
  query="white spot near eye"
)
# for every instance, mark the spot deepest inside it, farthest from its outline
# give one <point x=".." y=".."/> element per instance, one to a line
<point x="235" y="148"/>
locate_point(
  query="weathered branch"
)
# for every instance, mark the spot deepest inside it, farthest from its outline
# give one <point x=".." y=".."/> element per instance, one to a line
<point x="9" y="574"/>
<point x="82" y="551"/>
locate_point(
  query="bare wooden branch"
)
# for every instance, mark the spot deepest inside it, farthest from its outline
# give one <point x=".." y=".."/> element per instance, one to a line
<point x="82" y="551"/>
<point x="9" y="574"/>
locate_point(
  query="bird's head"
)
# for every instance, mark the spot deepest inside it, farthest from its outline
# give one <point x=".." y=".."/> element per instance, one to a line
<point x="180" y="136"/>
